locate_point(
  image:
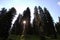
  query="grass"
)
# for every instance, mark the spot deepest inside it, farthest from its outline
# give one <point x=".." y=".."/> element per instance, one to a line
<point x="32" y="37"/>
<point x="29" y="37"/>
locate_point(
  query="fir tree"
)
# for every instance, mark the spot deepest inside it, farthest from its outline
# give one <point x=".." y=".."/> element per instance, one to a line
<point x="5" y="23"/>
<point x="49" y="23"/>
<point x="17" y="28"/>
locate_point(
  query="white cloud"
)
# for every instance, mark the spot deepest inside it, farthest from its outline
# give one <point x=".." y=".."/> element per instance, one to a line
<point x="58" y="3"/>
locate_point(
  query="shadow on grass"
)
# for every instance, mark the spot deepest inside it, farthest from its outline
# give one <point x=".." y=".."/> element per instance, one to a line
<point x="29" y="37"/>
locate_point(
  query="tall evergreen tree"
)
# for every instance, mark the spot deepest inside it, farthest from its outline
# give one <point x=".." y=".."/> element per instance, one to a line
<point x="49" y="23"/>
<point x="36" y="21"/>
<point x="17" y="28"/>
<point x="5" y="23"/>
<point x="41" y="14"/>
<point x="26" y="17"/>
<point x="43" y="19"/>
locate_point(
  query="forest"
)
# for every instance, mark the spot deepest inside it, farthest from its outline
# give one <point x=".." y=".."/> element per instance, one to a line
<point x="43" y="26"/>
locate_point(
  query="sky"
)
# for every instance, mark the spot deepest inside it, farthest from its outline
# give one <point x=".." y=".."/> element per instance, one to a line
<point x="20" y="5"/>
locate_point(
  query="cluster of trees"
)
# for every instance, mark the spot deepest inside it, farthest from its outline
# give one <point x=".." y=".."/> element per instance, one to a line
<point x="18" y="25"/>
<point x="6" y="21"/>
<point x="42" y="23"/>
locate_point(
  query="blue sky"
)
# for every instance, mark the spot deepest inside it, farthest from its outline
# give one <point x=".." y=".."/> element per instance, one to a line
<point x="52" y="5"/>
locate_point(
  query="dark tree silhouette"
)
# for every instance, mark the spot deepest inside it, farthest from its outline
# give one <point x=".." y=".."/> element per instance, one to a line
<point x="43" y="19"/>
<point x="17" y="28"/>
<point x="5" y="23"/>
<point x="38" y="23"/>
<point x="35" y="21"/>
<point x="3" y="11"/>
<point x="57" y="25"/>
<point x="41" y="14"/>
<point x="49" y="23"/>
<point x="26" y="13"/>
<point x="26" y="16"/>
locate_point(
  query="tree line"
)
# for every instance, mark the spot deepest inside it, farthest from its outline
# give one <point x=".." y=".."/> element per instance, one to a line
<point x="42" y="23"/>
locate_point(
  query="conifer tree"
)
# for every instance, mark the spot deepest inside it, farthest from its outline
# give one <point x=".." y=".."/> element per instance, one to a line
<point x="36" y="21"/>
<point x="5" y="23"/>
<point x="17" y="28"/>
<point x="27" y="18"/>
<point x="49" y="23"/>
